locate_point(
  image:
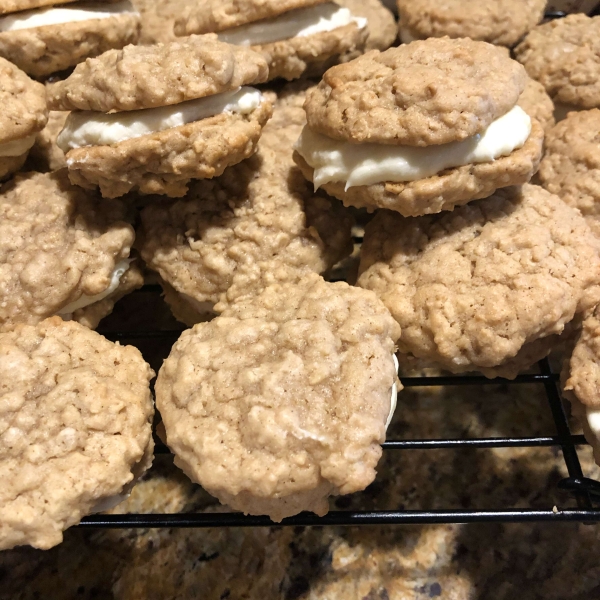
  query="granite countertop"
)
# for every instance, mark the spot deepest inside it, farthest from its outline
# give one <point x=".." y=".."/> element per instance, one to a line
<point x="450" y="562"/>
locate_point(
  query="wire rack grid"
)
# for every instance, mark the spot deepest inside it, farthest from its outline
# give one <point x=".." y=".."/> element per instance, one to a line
<point x="585" y="490"/>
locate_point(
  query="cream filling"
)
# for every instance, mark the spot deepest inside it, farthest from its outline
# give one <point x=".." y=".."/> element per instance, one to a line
<point x="109" y="502"/>
<point x="83" y="301"/>
<point x="394" y="397"/>
<point x="593" y="419"/>
<point x="301" y="22"/>
<point x="367" y="164"/>
<point x="87" y="128"/>
<point x="17" y="147"/>
<point x="82" y="11"/>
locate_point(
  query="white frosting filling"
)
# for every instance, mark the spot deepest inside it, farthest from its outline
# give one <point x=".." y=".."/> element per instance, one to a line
<point x="367" y="164"/>
<point x="89" y="128"/>
<point x="120" y="268"/>
<point x="301" y="22"/>
<point x="17" y="147"/>
<point x="394" y="397"/>
<point x="56" y="16"/>
<point x="109" y="502"/>
<point x="593" y="419"/>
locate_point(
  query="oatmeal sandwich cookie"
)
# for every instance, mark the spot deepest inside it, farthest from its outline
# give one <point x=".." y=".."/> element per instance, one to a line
<point x="62" y="251"/>
<point x="501" y="22"/>
<point x="488" y="287"/>
<point x="45" y="155"/>
<point x="45" y="40"/>
<point x="571" y="164"/>
<point x="23" y="115"/>
<point x="564" y="56"/>
<point x="296" y="37"/>
<point x="258" y="223"/>
<point x="282" y="401"/>
<point x="581" y="379"/>
<point x="151" y="118"/>
<point x="420" y="128"/>
<point x="75" y="428"/>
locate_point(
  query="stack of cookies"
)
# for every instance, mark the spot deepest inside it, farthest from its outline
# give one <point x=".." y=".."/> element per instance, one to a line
<point x="240" y="201"/>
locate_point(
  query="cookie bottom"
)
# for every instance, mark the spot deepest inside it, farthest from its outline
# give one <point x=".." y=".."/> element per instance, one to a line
<point x="165" y="162"/>
<point x="314" y="54"/>
<point x="183" y="310"/>
<point x="11" y="164"/>
<point x="444" y="191"/>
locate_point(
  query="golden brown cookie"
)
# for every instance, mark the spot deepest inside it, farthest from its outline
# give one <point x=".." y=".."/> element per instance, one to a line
<point x="296" y="37"/>
<point x="75" y="428"/>
<point x="158" y="19"/>
<point x="502" y="22"/>
<point x="474" y="288"/>
<point x="260" y="222"/>
<point x="571" y="164"/>
<point x="282" y="400"/>
<point x="23" y="115"/>
<point x="177" y="112"/>
<point x="564" y="56"/>
<point x="60" y="248"/>
<point x="381" y="24"/>
<point x="42" y="49"/>
<point x="537" y="104"/>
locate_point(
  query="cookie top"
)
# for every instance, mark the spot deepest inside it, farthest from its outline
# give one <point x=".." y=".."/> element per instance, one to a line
<point x="260" y="219"/>
<point x="57" y="242"/>
<point x="537" y="104"/>
<point x="139" y="77"/>
<point x="284" y="394"/>
<point x="75" y="427"/>
<point x="23" y="102"/>
<point x="212" y="16"/>
<point x="381" y="24"/>
<point x="472" y="287"/>
<point x="425" y="93"/>
<point x="564" y="55"/>
<point x="571" y="165"/>
<point x="502" y="22"/>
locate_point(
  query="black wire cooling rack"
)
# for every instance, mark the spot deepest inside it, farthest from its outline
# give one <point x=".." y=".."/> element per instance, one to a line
<point x="586" y="491"/>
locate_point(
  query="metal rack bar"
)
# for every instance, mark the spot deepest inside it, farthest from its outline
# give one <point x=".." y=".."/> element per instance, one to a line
<point x="405" y="517"/>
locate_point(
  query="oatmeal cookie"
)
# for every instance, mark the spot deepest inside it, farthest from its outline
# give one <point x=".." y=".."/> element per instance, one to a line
<point x="75" y="428"/>
<point x="165" y="162"/>
<point x="450" y="188"/>
<point x="45" y="155"/>
<point x="473" y="288"/>
<point x="290" y="53"/>
<point x="139" y="77"/>
<point x="43" y="50"/>
<point x="381" y="24"/>
<point x="432" y="92"/>
<point x="186" y="309"/>
<point x="581" y="379"/>
<point x="23" y="114"/>
<point x="259" y="222"/>
<point x="564" y="56"/>
<point x="11" y="6"/>
<point x="571" y="164"/>
<point x="58" y="246"/>
<point x="305" y="373"/>
<point x="158" y="20"/>
<point x="502" y="22"/>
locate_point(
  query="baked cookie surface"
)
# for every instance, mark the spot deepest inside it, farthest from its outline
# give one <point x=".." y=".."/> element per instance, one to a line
<point x="259" y="220"/>
<point x="381" y="24"/>
<point x="537" y="104"/>
<point x="45" y="154"/>
<point x="282" y="400"/>
<point x="46" y="49"/>
<point x="571" y="164"/>
<point x="471" y="289"/>
<point x="420" y="94"/>
<point x="564" y="56"/>
<point x="502" y="22"/>
<point x="58" y="245"/>
<point x="76" y="428"/>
